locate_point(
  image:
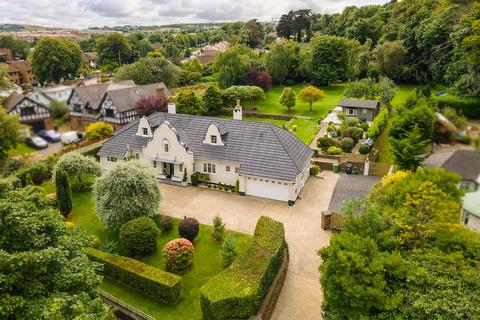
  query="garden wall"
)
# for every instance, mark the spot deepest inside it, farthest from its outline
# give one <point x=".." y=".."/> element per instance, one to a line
<point x="147" y="280"/>
<point x="238" y="291"/>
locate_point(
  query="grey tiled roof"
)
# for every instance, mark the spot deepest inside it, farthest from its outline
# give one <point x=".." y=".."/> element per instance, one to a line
<point x="12" y="100"/>
<point x="464" y="162"/>
<point x="349" y="187"/>
<point x="125" y="98"/>
<point x="93" y="94"/>
<point x="261" y="149"/>
<point x="355" y="103"/>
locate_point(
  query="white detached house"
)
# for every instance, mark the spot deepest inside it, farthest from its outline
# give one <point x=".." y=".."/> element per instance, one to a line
<point x="266" y="160"/>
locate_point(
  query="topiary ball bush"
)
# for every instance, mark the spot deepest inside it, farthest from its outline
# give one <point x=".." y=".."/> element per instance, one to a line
<point x="325" y="142"/>
<point x="347" y="144"/>
<point x="314" y="170"/>
<point x="334" y="150"/>
<point x="364" y="149"/>
<point x="364" y="126"/>
<point x="167" y="224"/>
<point x="189" y="228"/>
<point x="138" y="237"/>
<point x="178" y="254"/>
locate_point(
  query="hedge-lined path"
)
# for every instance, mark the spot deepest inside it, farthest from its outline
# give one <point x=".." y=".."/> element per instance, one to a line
<point x="301" y="296"/>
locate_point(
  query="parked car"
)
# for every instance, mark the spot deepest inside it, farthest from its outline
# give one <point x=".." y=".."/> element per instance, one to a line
<point x="49" y="135"/>
<point x="369" y="142"/>
<point x="36" y="142"/>
<point x="71" y="137"/>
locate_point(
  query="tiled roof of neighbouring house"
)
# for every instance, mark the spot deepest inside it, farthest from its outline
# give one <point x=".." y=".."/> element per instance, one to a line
<point x="349" y="187"/>
<point x="93" y="94"/>
<point x="260" y="148"/>
<point x="12" y="100"/>
<point x="124" y="99"/>
<point x="354" y="103"/>
<point x="464" y="162"/>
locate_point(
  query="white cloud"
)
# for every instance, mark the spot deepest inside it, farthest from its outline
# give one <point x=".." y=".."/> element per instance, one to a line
<point x="86" y="13"/>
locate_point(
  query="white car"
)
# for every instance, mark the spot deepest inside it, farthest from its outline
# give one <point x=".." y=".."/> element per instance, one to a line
<point x="71" y="137"/>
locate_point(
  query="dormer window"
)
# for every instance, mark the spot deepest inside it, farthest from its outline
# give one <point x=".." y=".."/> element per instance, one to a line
<point x="213" y="139"/>
<point x="165" y="147"/>
<point x="145" y="131"/>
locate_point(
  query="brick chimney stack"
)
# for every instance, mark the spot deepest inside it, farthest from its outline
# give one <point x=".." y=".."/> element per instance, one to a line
<point x="171" y="105"/>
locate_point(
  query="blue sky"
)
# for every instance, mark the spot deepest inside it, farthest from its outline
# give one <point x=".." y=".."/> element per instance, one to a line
<point x="86" y="13"/>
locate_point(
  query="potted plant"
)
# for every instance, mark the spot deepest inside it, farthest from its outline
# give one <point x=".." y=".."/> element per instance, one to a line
<point x="184" y="179"/>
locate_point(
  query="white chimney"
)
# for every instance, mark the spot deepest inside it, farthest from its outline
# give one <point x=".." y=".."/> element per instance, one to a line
<point x="237" y="111"/>
<point x="171" y="105"/>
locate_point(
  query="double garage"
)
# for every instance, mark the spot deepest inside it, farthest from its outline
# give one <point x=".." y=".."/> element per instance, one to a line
<point x="266" y="188"/>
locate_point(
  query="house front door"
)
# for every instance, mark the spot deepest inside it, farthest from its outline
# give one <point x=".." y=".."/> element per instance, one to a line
<point x="170" y="171"/>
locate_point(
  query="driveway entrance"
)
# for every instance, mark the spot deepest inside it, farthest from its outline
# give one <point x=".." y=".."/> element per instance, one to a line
<point x="301" y="296"/>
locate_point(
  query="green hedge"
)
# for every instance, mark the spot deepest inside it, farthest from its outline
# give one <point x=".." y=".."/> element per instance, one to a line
<point x="470" y="108"/>
<point x="147" y="280"/>
<point x="238" y="291"/>
<point x="378" y="124"/>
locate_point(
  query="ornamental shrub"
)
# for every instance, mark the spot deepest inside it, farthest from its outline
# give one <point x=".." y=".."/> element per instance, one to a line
<point x="189" y="228"/>
<point x="38" y="173"/>
<point x="64" y="192"/>
<point x="378" y="124"/>
<point x="325" y="142"/>
<point x="138" y="237"/>
<point x="356" y="133"/>
<point x="98" y="130"/>
<point x="350" y="122"/>
<point x="334" y="150"/>
<point x="12" y="165"/>
<point x="166" y="225"/>
<point x="155" y="283"/>
<point x="218" y="228"/>
<point x="127" y="191"/>
<point x="364" y="149"/>
<point x="364" y="126"/>
<point x="314" y="170"/>
<point x="347" y="144"/>
<point x="178" y="254"/>
<point x="79" y="168"/>
<point x="229" y="250"/>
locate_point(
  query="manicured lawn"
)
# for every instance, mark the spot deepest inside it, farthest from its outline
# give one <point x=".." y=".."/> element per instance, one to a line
<point x="22" y="149"/>
<point x="207" y="262"/>
<point x="271" y="104"/>
<point x="306" y="129"/>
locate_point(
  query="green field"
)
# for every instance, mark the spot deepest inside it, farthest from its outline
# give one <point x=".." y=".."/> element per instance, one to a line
<point x="207" y="262"/>
<point x="22" y="149"/>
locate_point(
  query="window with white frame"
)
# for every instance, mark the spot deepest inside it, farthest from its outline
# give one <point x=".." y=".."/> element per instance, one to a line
<point x="350" y="111"/>
<point x="111" y="159"/>
<point x="365" y="110"/>
<point x="209" y="168"/>
<point x="180" y="167"/>
<point x="237" y="170"/>
<point x="145" y="131"/>
<point x="154" y="163"/>
<point x="227" y="168"/>
<point x="213" y="139"/>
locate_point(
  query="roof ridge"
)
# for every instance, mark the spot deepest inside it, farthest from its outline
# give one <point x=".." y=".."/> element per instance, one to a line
<point x="283" y="146"/>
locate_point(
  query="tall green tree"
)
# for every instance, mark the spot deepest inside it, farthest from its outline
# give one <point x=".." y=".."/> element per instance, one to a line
<point x="54" y="59"/>
<point x="64" y="192"/>
<point x="9" y="132"/>
<point x="287" y="98"/>
<point x="232" y="65"/>
<point x="410" y="151"/>
<point x="150" y="70"/>
<point x="390" y="59"/>
<point x="4" y="78"/>
<point x="114" y="49"/>
<point x="331" y="60"/>
<point x="19" y="48"/>
<point x="282" y="61"/>
<point x="45" y="274"/>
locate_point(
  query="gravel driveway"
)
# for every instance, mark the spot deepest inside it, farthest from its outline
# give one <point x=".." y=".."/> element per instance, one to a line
<point x="301" y="296"/>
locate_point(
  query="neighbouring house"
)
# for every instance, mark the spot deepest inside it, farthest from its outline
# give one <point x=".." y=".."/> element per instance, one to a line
<point x="363" y="110"/>
<point x="30" y="112"/>
<point x="464" y="162"/>
<point x="113" y="103"/>
<point x="91" y="59"/>
<point x="84" y="102"/>
<point x="470" y="216"/>
<point x="25" y="70"/>
<point x="118" y="106"/>
<point x="5" y="54"/>
<point x="44" y="96"/>
<point x="266" y="160"/>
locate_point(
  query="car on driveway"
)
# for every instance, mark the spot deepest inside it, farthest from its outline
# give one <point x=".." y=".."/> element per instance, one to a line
<point x="71" y="137"/>
<point x="49" y="135"/>
<point x="36" y="142"/>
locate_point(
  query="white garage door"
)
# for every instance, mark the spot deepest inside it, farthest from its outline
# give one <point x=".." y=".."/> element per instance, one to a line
<point x="268" y="190"/>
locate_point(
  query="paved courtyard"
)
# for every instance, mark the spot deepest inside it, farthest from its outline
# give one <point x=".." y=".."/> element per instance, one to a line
<point x="301" y="296"/>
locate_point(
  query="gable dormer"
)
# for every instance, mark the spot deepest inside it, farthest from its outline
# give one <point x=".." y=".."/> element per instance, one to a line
<point x="213" y="136"/>
<point x="144" y="129"/>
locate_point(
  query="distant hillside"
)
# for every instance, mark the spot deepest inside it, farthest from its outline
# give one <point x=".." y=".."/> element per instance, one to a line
<point x="19" y="27"/>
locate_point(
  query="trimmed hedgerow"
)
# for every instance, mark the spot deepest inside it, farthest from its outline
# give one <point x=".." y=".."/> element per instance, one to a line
<point x="238" y="291"/>
<point x="470" y="108"/>
<point x="147" y="280"/>
<point x="378" y="124"/>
